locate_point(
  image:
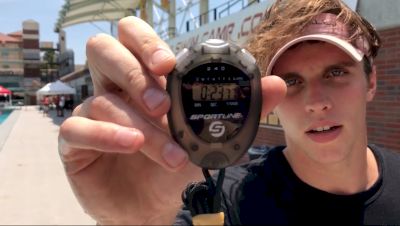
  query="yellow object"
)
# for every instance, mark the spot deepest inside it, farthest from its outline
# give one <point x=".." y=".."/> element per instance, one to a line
<point x="209" y="219"/>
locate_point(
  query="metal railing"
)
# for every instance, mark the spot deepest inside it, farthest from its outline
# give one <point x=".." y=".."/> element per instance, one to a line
<point x="218" y="12"/>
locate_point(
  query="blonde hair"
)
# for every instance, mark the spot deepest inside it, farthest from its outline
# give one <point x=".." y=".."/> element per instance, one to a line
<point x="285" y="20"/>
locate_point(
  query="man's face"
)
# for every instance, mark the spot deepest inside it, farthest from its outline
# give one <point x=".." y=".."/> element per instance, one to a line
<point x="323" y="113"/>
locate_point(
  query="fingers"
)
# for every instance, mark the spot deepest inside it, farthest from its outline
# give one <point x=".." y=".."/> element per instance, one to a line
<point x="83" y="141"/>
<point x="143" y="41"/>
<point x="111" y="109"/>
<point x="84" y="133"/>
<point x="114" y="67"/>
<point x="273" y="92"/>
<point x="76" y="159"/>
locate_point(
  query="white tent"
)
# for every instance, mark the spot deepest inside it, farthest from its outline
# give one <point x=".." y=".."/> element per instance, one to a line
<point x="55" y="88"/>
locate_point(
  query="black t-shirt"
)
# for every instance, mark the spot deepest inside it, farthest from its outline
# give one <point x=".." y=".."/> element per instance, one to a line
<point x="267" y="191"/>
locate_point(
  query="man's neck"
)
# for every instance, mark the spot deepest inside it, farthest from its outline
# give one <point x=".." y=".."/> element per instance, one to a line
<point x="356" y="173"/>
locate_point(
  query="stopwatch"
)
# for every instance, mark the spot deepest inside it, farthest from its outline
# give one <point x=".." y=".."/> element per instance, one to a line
<point x="216" y="100"/>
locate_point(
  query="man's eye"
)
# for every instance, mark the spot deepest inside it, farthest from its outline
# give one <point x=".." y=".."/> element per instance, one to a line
<point x="292" y="81"/>
<point x="336" y="73"/>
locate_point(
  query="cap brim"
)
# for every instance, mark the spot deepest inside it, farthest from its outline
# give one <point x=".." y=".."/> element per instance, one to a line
<point x="340" y="43"/>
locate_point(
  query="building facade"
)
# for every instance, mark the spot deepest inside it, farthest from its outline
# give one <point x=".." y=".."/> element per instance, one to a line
<point x="12" y="62"/>
<point x="20" y="62"/>
<point x="81" y="81"/>
<point x="27" y="64"/>
<point x="32" y="62"/>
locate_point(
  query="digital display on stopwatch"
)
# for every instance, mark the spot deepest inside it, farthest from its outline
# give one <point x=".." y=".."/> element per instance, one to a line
<point x="215" y="92"/>
<point x="217" y="99"/>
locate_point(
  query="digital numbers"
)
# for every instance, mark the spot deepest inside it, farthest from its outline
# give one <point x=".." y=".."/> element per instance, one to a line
<point x="215" y="92"/>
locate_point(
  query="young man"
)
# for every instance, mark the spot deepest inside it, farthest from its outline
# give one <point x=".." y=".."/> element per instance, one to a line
<point x="125" y="169"/>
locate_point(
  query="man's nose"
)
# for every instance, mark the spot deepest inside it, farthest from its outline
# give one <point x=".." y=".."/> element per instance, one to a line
<point x="317" y="99"/>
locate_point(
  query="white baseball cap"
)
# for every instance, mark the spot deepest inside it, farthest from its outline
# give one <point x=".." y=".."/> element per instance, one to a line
<point x="327" y="27"/>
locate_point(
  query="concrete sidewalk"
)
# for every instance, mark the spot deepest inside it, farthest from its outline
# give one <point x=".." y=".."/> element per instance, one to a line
<point x="33" y="186"/>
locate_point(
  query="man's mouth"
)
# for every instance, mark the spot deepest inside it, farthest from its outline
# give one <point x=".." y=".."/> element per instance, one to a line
<point x="323" y="129"/>
<point x="324" y="133"/>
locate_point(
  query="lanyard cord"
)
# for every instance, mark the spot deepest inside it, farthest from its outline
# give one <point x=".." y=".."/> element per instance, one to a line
<point x="204" y="197"/>
<point x="216" y="190"/>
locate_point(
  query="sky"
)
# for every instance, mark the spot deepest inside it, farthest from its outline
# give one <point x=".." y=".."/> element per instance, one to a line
<point x="45" y="12"/>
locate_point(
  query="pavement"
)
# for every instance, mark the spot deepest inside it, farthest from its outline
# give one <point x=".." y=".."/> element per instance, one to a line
<point x="33" y="186"/>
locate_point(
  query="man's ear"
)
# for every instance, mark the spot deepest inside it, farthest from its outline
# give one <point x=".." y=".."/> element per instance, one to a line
<point x="372" y="83"/>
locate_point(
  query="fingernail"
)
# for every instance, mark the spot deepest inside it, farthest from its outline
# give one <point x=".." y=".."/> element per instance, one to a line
<point x="160" y="55"/>
<point x="174" y="155"/>
<point x="153" y="98"/>
<point x="126" y="137"/>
